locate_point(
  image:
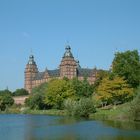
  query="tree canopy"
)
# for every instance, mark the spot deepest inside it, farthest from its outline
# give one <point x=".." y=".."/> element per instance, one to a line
<point x="127" y="65"/>
<point x="57" y="91"/>
<point x="20" y="92"/>
<point x="114" y="90"/>
<point x="6" y="100"/>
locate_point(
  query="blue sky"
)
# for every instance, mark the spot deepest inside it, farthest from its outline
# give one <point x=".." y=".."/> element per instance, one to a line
<point x="94" y="29"/>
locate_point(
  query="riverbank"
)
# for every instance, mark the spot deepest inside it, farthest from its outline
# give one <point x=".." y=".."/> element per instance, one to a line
<point x="119" y="112"/>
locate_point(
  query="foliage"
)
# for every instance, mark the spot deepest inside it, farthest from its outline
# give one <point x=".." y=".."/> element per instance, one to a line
<point x="114" y="90"/>
<point x="82" y="88"/>
<point x="135" y="107"/>
<point x="100" y="75"/>
<point x="41" y="89"/>
<point x="36" y="98"/>
<point x="127" y="65"/>
<point x="81" y="108"/>
<point x="6" y="101"/>
<point x="20" y="92"/>
<point x="36" y="101"/>
<point x="6" y="91"/>
<point x="57" y="91"/>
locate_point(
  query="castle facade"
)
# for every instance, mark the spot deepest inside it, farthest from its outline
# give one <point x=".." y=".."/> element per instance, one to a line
<point x="69" y="68"/>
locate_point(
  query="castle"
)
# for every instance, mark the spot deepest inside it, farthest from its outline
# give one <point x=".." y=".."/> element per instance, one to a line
<point x="69" y="68"/>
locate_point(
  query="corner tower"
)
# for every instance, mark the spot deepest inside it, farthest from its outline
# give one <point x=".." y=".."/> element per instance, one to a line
<point x="30" y="72"/>
<point x="68" y="66"/>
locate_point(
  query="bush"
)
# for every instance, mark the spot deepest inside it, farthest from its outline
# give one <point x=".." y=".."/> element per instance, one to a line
<point x="36" y="101"/>
<point x="135" y="107"/>
<point x="81" y="108"/>
<point x="20" y="92"/>
<point x="6" y="101"/>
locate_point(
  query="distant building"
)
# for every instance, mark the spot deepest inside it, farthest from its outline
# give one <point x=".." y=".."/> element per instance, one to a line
<point x="69" y="68"/>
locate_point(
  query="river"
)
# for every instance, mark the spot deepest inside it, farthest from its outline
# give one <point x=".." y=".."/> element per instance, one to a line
<point x="44" y="127"/>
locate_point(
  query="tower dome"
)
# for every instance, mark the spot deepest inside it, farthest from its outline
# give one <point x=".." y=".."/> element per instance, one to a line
<point x="31" y="60"/>
<point x="68" y="52"/>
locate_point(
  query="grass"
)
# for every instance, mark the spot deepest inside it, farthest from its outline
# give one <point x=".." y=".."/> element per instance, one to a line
<point x="119" y="112"/>
<point x="54" y="112"/>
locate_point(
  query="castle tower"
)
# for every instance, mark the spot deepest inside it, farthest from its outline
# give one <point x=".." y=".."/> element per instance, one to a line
<point x="68" y="66"/>
<point x="30" y="71"/>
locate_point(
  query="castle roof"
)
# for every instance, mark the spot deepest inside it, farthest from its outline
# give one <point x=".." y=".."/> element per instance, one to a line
<point x="83" y="72"/>
<point x="51" y="73"/>
<point x="31" y="60"/>
<point x="68" y="52"/>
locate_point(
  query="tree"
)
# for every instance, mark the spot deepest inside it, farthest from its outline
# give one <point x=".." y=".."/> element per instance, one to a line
<point x="20" y="92"/>
<point x="6" y="91"/>
<point x="134" y="110"/>
<point x="82" y="88"/>
<point x="114" y="90"/>
<point x="37" y="97"/>
<point x="127" y="65"/>
<point x="100" y="75"/>
<point x="57" y="91"/>
<point x="6" y="100"/>
<point x="41" y="89"/>
<point x="36" y="101"/>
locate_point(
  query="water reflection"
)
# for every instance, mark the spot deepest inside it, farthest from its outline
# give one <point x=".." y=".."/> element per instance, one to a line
<point x="42" y="127"/>
<point x="124" y="125"/>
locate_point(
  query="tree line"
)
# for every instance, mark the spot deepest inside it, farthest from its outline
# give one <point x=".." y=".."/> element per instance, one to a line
<point x="118" y="85"/>
<point x="112" y="87"/>
<point x="6" y="97"/>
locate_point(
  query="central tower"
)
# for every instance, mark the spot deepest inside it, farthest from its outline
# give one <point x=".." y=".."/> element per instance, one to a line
<point x="68" y="66"/>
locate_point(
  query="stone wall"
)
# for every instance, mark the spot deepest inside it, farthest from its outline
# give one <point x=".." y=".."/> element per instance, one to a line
<point x="20" y="99"/>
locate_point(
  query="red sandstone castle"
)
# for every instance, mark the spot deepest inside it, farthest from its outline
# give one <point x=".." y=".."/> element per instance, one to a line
<point x="69" y="68"/>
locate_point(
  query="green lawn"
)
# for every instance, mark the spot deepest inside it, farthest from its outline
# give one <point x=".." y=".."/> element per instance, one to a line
<point x="119" y="112"/>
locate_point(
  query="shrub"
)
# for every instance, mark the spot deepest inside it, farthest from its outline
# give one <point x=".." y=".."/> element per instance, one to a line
<point x="81" y="108"/>
<point x="135" y="107"/>
<point x="20" y="92"/>
<point x="6" y="101"/>
<point x="36" y="101"/>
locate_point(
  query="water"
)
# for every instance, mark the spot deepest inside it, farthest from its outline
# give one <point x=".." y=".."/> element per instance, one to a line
<point x="43" y="127"/>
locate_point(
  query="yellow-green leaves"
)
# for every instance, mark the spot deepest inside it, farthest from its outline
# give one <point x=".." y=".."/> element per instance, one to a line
<point x="114" y="90"/>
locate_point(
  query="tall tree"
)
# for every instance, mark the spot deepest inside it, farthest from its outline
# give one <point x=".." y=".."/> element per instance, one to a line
<point x="57" y="91"/>
<point x="114" y="90"/>
<point x="20" y="92"/>
<point x="127" y="65"/>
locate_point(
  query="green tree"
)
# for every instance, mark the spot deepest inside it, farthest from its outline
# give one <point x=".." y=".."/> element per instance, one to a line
<point x="114" y="90"/>
<point x="135" y="107"/>
<point x="82" y="88"/>
<point x="36" y="102"/>
<point x="127" y="65"/>
<point x="4" y="92"/>
<point x="41" y="89"/>
<point x="20" y="92"/>
<point x="57" y="91"/>
<point x="6" y="101"/>
<point x="36" y="99"/>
